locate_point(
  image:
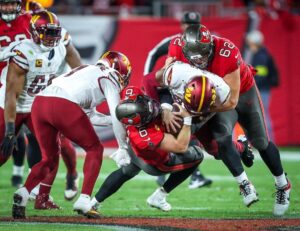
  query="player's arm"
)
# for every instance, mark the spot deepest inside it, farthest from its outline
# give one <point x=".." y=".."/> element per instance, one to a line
<point x="233" y="81"/>
<point x="180" y="144"/>
<point x="72" y="56"/>
<point x="14" y="84"/>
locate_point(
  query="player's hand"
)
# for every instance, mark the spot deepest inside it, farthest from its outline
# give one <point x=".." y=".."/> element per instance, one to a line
<point x="121" y="157"/>
<point x="8" y="144"/>
<point x="171" y="121"/>
<point x="6" y="55"/>
<point x="180" y="111"/>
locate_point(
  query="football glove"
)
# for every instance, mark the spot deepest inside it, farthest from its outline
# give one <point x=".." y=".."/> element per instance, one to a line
<point x="121" y="157"/>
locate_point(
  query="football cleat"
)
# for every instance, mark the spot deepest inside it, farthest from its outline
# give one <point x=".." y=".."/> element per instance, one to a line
<point x="82" y="205"/>
<point x="43" y="202"/>
<point x="247" y="155"/>
<point x="72" y="183"/>
<point x="248" y="192"/>
<point x="282" y="199"/>
<point x="198" y="181"/>
<point x="20" y="200"/>
<point x="158" y="200"/>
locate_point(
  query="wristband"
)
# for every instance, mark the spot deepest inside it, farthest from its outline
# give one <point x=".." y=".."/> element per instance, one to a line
<point x="187" y="120"/>
<point x="166" y="106"/>
<point x="9" y="128"/>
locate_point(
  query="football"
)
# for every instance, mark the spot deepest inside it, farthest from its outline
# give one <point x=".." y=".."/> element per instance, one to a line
<point x="176" y="109"/>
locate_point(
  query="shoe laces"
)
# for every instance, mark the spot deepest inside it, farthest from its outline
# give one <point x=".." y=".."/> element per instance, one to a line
<point x="281" y="195"/>
<point x="245" y="188"/>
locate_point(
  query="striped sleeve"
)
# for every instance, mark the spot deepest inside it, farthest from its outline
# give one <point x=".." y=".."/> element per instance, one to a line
<point x="20" y="59"/>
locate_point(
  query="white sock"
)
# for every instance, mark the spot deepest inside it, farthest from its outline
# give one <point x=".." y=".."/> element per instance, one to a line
<point x="280" y="181"/>
<point x="18" y="170"/>
<point x="35" y="190"/>
<point x="241" y="177"/>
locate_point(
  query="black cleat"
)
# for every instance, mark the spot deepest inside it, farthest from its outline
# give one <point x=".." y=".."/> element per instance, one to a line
<point x="247" y="155"/>
<point x="18" y="212"/>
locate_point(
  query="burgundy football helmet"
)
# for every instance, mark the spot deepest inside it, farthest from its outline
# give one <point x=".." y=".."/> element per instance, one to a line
<point x="120" y="63"/>
<point x="32" y="7"/>
<point x="137" y="109"/>
<point x="45" y="29"/>
<point x="199" y="95"/>
<point x="198" y="45"/>
<point x="10" y="9"/>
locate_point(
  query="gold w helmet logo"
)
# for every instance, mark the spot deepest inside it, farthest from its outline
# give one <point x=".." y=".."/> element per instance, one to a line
<point x="188" y="94"/>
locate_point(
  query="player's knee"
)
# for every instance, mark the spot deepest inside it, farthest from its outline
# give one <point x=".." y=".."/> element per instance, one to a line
<point x="130" y="170"/>
<point x="196" y="152"/>
<point x="224" y="144"/>
<point x="260" y="143"/>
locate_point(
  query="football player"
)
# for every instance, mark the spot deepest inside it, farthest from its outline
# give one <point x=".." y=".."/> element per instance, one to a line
<point x="18" y="27"/>
<point x="220" y="56"/>
<point x="151" y="149"/>
<point x="29" y="72"/>
<point x="13" y="28"/>
<point x="62" y="109"/>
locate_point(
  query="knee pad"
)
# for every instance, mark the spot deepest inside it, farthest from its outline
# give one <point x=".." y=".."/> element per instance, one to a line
<point x="260" y="143"/>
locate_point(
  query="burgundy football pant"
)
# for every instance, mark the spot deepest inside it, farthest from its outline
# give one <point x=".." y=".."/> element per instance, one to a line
<point x="50" y="116"/>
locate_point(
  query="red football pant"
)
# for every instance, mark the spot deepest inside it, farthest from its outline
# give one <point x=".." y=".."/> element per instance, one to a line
<point x="51" y="115"/>
<point x="68" y="154"/>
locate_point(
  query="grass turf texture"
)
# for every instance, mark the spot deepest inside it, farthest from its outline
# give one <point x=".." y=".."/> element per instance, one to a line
<point x="221" y="200"/>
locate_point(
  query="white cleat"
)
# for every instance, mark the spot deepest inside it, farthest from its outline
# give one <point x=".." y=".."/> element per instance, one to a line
<point x="248" y="192"/>
<point x="282" y="199"/>
<point x="72" y="184"/>
<point x="158" y="200"/>
<point x="83" y="204"/>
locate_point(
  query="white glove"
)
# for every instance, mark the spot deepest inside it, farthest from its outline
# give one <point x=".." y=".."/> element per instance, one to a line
<point x="121" y="157"/>
<point x="99" y="119"/>
<point x="5" y="55"/>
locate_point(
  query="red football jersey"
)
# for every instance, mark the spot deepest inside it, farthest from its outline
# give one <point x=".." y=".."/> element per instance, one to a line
<point x="15" y="30"/>
<point x="226" y="59"/>
<point x="145" y="141"/>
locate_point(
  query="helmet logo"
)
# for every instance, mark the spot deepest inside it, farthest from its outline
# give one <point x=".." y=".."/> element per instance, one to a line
<point x="188" y="94"/>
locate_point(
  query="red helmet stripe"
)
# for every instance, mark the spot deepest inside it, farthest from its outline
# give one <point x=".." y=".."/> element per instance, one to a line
<point x="202" y="94"/>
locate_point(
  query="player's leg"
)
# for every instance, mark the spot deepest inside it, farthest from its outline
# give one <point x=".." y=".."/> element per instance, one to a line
<point x="68" y="154"/>
<point x="216" y="137"/>
<point x="74" y="124"/>
<point x="47" y="136"/>
<point x="252" y="120"/>
<point x="18" y="161"/>
<point x="181" y="166"/>
<point x="114" y="182"/>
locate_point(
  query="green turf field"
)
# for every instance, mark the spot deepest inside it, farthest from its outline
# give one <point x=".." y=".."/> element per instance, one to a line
<point x="221" y="200"/>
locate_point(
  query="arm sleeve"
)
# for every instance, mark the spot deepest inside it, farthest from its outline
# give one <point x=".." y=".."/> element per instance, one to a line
<point x="159" y="50"/>
<point x="113" y="98"/>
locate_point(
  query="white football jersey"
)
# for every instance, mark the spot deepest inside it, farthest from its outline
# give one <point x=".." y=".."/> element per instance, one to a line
<point x="178" y="74"/>
<point x="41" y="67"/>
<point x="88" y="86"/>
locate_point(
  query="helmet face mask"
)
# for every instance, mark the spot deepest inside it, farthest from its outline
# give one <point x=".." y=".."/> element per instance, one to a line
<point x="138" y="110"/>
<point x="120" y="63"/>
<point x="198" y="46"/>
<point x="10" y="9"/>
<point x="45" y="29"/>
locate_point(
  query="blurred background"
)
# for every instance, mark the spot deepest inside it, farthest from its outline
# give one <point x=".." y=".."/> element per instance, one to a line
<point x="134" y="27"/>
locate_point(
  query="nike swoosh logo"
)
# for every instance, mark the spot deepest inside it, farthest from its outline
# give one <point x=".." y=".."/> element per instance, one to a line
<point x="147" y="139"/>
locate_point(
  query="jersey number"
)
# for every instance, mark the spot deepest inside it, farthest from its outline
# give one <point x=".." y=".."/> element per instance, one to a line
<point x="226" y="52"/>
<point x="38" y="84"/>
<point x="5" y="40"/>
